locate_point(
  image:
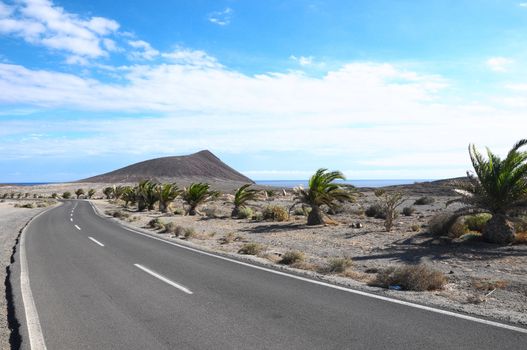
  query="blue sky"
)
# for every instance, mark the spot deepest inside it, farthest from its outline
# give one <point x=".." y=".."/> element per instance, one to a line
<point x="277" y="89"/>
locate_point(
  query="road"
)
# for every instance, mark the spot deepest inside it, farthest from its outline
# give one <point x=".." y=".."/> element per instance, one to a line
<point x="97" y="285"/>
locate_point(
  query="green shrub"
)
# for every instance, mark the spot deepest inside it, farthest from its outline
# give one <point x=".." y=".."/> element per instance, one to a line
<point x="411" y="277"/>
<point x="408" y="211"/>
<point x="66" y="195"/>
<point x="426" y="200"/>
<point x="251" y="249"/>
<point x="258" y="216"/>
<point x="375" y="211"/>
<point x="339" y="265"/>
<point x="292" y="257"/>
<point x="245" y="213"/>
<point x="275" y="213"/>
<point x="477" y="222"/>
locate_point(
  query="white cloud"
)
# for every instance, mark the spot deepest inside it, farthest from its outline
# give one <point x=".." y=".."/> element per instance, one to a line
<point x="187" y="57"/>
<point x="302" y="60"/>
<point x="499" y="64"/>
<point x="40" y="22"/>
<point x="145" y="50"/>
<point x="522" y="4"/>
<point x="221" y="18"/>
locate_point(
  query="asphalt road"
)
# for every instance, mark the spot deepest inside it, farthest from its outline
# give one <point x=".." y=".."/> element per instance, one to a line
<point x="97" y="285"/>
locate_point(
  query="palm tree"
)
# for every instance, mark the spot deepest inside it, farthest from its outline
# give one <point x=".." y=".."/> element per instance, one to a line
<point x="91" y="192"/>
<point x="499" y="187"/>
<point x="146" y="195"/>
<point x="79" y="192"/>
<point x="129" y="196"/>
<point x="108" y="192"/>
<point x="166" y="193"/>
<point x="322" y="191"/>
<point x="196" y="194"/>
<point x="118" y="192"/>
<point x="241" y="197"/>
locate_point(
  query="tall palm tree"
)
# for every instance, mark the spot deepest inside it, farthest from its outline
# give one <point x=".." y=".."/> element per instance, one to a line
<point x="499" y="187"/>
<point x="196" y="194"/>
<point x="146" y="195"/>
<point x="118" y="192"/>
<point x="241" y="197"/>
<point x="166" y="193"/>
<point x="322" y="191"/>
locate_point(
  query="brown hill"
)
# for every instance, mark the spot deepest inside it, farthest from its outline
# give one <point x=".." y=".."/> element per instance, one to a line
<point x="201" y="166"/>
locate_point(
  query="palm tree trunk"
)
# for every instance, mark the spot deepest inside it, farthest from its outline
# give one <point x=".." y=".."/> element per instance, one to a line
<point x="315" y="216"/>
<point x="498" y="230"/>
<point x="235" y="212"/>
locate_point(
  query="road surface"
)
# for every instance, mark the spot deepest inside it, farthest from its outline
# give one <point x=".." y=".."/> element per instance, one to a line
<point x="97" y="285"/>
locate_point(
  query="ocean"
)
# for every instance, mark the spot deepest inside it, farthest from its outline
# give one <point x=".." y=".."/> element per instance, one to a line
<point x="356" y="183"/>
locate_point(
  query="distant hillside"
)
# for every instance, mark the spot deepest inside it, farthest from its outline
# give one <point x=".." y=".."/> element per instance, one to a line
<point x="201" y="166"/>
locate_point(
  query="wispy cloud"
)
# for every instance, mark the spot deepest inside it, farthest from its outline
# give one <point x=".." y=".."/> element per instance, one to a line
<point x="40" y="22"/>
<point x="499" y="64"/>
<point x="523" y="4"/>
<point x="302" y="60"/>
<point x="143" y="50"/>
<point x="221" y="18"/>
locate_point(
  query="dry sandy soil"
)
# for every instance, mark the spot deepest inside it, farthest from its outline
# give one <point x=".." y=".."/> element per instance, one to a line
<point x="12" y="220"/>
<point x="473" y="268"/>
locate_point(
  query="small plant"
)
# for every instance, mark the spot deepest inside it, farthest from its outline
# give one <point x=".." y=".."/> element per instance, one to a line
<point x="411" y="277"/>
<point x="275" y="213"/>
<point x="485" y="284"/>
<point x="299" y="212"/>
<point x="258" y="216"/>
<point x="339" y="265"/>
<point x="179" y="231"/>
<point x="408" y="211"/>
<point x="477" y="222"/>
<point x="425" y="200"/>
<point x="66" y="195"/>
<point x="156" y="224"/>
<point x="211" y="213"/>
<point x="375" y="211"/>
<point x="439" y="225"/>
<point x="251" y="249"/>
<point x="245" y="213"/>
<point x="243" y="195"/>
<point x="189" y="232"/>
<point x="292" y="257"/>
<point x="120" y="215"/>
<point x="389" y="203"/>
<point x="415" y="228"/>
<point x="228" y="238"/>
<point x="179" y="211"/>
<point x="170" y="227"/>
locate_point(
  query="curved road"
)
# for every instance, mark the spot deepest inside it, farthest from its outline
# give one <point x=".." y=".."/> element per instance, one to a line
<point x="97" y="285"/>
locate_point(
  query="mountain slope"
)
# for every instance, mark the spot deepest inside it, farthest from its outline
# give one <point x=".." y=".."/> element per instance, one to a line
<point x="200" y="166"/>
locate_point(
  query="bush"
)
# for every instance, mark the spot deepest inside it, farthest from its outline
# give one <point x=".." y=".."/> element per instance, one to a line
<point x="179" y="211"/>
<point x="408" y="211"/>
<point x="292" y="257"/>
<point x="339" y="265"/>
<point x="257" y="216"/>
<point x="156" y="224"/>
<point x="275" y="213"/>
<point x="210" y="212"/>
<point x="251" y="249"/>
<point x="415" y="228"/>
<point x="375" y="211"/>
<point x="477" y="222"/>
<point x="120" y="214"/>
<point x="424" y="200"/>
<point x="189" y="232"/>
<point x="299" y="212"/>
<point x="27" y="205"/>
<point x="413" y="277"/>
<point x="66" y="195"/>
<point x="439" y="225"/>
<point x="170" y="227"/>
<point x="245" y="213"/>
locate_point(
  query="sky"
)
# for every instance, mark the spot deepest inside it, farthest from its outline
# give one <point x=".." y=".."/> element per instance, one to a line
<point x="393" y="89"/>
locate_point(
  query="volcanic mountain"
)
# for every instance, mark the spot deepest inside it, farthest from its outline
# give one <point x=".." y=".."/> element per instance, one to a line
<point x="202" y="166"/>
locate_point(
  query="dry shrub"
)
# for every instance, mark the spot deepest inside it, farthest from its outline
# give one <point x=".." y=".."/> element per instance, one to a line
<point x="245" y="213"/>
<point x="292" y="257"/>
<point x="229" y="238"/>
<point x="426" y="200"/>
<point x="411" y="277"/>
<point x="251" y="249"/>
<point x="375" y="211"/>
<point x="445" y="224"/>
<point x="275" y="213"/>
<point x="408" y="211"/>
<point x="415" y="228"/>
<point x="189" y="232"/>
<point x="485" y="284"/>
<point x="520" y="238"/>
<point x="156" y="224"/>
<point x="339" y="265"/>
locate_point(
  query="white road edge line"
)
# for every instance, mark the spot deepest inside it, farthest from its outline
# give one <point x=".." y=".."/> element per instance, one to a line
<point x="34" y="330"/>
<point x="78" y="228"/>
<point x="349" y="290"/>
<point x="164" y="279"/>
<point x="96" y="241"/>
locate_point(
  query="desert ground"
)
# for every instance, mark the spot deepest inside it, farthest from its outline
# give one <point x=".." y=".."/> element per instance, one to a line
<point x="481" y="278"/>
